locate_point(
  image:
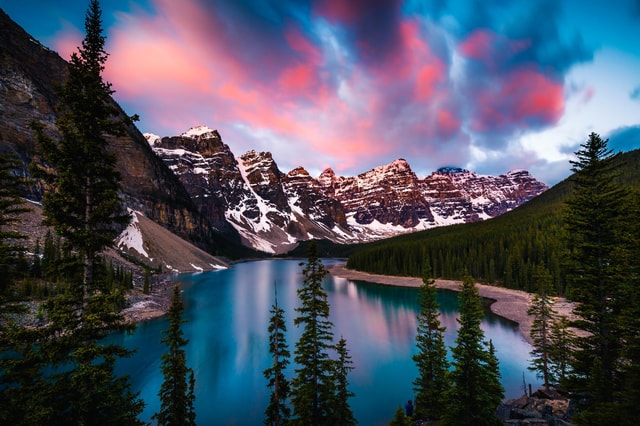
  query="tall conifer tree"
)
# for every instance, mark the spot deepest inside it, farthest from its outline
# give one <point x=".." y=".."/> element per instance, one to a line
<point x="432" y="382"/>
<point x="82" y="205"/>
<point x="543" y="316"/>
<point x="342" y="410"/>
<point x="313" y="387"/>
<point x="177" y="391"/>
<point x="277" y="412"/>
<point x="474" y="394"/>
<point x="594" y="222"/>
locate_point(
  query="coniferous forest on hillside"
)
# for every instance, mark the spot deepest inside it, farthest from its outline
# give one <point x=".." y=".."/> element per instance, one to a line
<point x="501" y="251"/>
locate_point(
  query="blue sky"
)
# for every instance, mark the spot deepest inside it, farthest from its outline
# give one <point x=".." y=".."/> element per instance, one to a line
<point x="485" y="85"/>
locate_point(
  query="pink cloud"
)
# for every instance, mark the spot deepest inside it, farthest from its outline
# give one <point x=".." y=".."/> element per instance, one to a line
<point x="523" y="98"/>
<point x="478" y="45"/>
<point x="490" y="48"/>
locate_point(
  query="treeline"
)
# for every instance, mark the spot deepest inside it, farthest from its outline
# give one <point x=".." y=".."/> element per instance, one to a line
<point x="502" y="251"/>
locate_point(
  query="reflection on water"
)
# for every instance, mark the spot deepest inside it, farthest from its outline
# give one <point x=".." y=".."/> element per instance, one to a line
<point x="228" y="314"/>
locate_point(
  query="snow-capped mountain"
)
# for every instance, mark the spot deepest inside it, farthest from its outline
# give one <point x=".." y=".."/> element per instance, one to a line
<point x="272" y="210"/>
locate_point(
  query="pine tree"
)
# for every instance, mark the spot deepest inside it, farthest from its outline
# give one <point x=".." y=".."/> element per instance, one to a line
<point x="474" y="395"/>
<point x="561" y="348"/>
<point x="399" y="418"/>
<point x="543" y="316"/>
<point x="343" y="414"/>
<point x="66" y="372"/>
<point x="594" y="223"/>
<point x="177" y="391"/>
<point x="83" y="206"/>
<point x="432" y="382"/>
<point x="277" y="412"/>
<point x="313" y="387"/>
<point x="630" y="388"/>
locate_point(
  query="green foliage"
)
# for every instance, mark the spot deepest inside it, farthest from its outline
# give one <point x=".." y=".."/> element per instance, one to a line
<point x="59" y="372"/>
<point x="475" y="389"/>
<point x="82" y="202"/>
<point x="399" y="418"/>
<point x="342" y="411"/>
<point x="595" y="222"/>
<point x="277" y="412"/>
<point x="313" y="387"/>
<point x="543" y="316"/>
<point x="177" y="390"/>
<point x="502" y="251"/>
<point x="432" y="382"/>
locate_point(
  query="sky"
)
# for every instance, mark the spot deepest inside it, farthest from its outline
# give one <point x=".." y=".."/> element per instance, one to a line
<point x="490" y="86"/>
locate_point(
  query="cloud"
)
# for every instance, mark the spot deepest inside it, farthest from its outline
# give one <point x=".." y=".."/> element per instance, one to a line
<point x="334" y="83"/>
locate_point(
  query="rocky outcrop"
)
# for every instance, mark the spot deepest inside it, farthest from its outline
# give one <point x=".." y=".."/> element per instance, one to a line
<point x="541" y="408"/>
<point x="387" y="194"/>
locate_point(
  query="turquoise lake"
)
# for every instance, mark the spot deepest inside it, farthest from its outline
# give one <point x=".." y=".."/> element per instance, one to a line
<point x="228" y="314"/>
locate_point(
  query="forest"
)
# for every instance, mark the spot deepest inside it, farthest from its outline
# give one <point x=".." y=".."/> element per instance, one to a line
<point x="502" y="251"/>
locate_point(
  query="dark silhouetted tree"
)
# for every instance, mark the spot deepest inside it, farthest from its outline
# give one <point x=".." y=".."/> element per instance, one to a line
<point x="474" y="394"/>
<point x="432" y="382"/>
<point x="342" y="410"/>
<point x="313" y="387"/>
<point x="595" y="223"/>
<point x="543" y="317"/>
<point x="71" y="376"/>
<point x="277" y="412"/>
<point x="177" y="390"/>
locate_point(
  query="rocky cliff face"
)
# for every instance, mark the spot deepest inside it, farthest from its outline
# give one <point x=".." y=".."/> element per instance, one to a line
<point x="272" y="210"/>
<point x="28" y="75"/>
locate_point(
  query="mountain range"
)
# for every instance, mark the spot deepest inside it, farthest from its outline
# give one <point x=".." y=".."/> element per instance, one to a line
<point x="194" y="186"/>
<point x="273" y="210"/>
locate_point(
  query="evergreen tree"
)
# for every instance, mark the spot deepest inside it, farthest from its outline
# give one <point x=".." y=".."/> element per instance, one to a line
<point x="432" y="382"/>
<point x="474" y="394"/>
<point x="343" y="414"/>
<point x="313" y="387"/>
<point x="399" y="418"/>
<point x="630" y="389"/>
<point x="594" y="222"/>
<point x="493" y="389"/>
<point x="63" y="373"/>
<point x="83" y="207"/>
<point x="561" y="347"/>
<point x="543" y="316"/>
<point x="277" y="412"/>
<point x="177" y="391"/>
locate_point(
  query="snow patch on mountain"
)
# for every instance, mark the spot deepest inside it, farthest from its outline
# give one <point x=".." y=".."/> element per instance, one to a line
<point x="194" y="132"/>
<point x="131" y="237"/>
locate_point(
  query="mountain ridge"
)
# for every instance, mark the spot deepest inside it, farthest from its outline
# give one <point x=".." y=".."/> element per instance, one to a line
<point x="273" y="210"/>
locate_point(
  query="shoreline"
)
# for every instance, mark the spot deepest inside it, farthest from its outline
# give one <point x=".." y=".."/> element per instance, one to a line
<point x="507" y="303"/>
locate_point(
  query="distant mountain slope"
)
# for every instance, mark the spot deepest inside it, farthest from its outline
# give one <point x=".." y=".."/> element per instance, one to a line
<point x="274" y="211"/>
<point x="502" y="250"/>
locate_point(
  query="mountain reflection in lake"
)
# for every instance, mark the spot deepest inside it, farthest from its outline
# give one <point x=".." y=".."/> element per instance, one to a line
<point x="228" y="314"/>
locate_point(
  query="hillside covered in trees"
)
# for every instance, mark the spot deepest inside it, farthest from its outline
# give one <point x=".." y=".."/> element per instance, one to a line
<point x="501" y="251"/>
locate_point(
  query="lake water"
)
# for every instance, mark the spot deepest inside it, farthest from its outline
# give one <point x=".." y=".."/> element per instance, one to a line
<point x="228" y="314"/>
